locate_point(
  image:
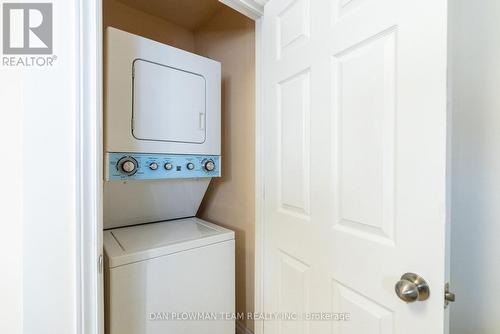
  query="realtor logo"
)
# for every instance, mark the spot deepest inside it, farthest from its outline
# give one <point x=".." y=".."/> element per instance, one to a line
<point x="27" y="28"/>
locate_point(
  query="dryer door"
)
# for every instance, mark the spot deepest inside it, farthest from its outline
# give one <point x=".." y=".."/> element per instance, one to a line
<point x="168" y="104"/>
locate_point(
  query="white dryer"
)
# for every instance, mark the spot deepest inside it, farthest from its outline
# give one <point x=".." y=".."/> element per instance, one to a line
<point x="162" y="130"/>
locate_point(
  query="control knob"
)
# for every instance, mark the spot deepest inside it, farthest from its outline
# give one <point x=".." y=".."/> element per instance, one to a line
<point x="168" y="166"/>
<point x="127" y="165"/>
<point x="209" y="165"/>
<point x="190" y="166"/>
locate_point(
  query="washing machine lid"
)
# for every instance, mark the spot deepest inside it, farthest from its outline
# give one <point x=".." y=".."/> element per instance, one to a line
<point x="142" y="242"/>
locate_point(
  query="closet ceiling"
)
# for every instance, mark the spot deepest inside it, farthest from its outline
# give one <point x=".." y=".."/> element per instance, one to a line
<point x="189" y="14"/>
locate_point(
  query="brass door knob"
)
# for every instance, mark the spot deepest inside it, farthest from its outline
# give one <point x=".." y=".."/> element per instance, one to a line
<point x="411" y="288"/>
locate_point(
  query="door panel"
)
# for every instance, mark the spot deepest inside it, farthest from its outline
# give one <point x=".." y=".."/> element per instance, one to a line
<point x="365" y="138"/>
<point x="366" y="315"/>
<point x="355" y="156"/>
<point x="293" y="111"/>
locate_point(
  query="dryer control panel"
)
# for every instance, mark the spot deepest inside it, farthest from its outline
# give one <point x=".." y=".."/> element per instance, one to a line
<point x="145" y="166"/>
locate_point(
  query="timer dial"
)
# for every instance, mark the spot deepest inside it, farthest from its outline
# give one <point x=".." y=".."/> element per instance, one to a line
<point x="127" y="165"/>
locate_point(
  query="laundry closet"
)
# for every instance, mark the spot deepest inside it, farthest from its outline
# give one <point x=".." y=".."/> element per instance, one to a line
<point x="178" y="161"/>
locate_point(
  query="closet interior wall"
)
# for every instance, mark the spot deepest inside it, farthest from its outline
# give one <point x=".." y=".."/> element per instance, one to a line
<point x="229" y="38"/>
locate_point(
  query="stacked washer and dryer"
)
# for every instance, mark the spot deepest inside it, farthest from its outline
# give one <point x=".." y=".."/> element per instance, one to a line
<point x="166" y="271"/>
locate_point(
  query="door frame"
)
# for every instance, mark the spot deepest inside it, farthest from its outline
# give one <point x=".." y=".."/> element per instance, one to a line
<point x="89" y="78"/>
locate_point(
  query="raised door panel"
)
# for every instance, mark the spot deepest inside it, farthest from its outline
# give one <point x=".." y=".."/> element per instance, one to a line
<point x="294" y="148"/>
<point x="365" y="96"/>
<point x="363" y="314"/>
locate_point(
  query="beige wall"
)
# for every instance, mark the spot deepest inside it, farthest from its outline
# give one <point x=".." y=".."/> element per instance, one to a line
<point x="227" y="37"/>
<point x="118" y="15"/>
<point x="230" y="38"/>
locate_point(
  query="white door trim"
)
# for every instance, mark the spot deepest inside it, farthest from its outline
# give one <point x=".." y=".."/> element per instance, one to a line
<point x="251" y="8"/>
<point x="254" y="9"/>
<point x="242" y="7"/>
<point x="90" y="319"/>
<point x="259" y="181"/>
<point x="89" y="78"/>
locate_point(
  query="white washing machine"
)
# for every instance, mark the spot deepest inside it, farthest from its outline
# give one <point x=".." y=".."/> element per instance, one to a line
<point x="158" y="276"/>
<point x="162" y="148"/>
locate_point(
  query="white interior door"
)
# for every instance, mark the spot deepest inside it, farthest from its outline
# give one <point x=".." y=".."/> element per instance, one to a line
<point x="355" y="151"/>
